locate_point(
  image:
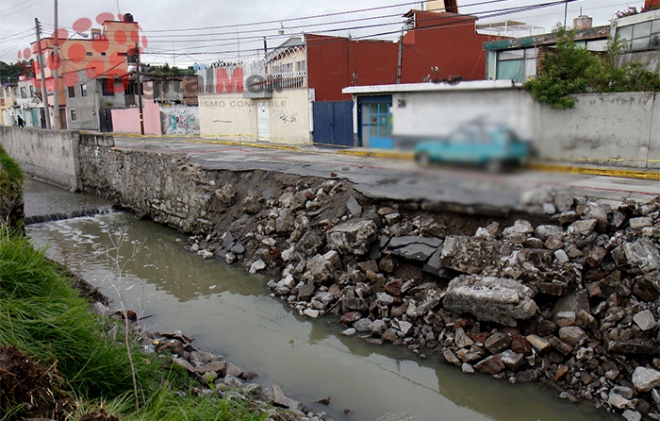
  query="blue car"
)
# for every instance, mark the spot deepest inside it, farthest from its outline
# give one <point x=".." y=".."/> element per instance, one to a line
<point x="492" y="146"/>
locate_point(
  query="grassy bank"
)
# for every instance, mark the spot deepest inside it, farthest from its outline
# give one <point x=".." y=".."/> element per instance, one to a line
<point x="56" y="360"/>
<point x="11" y="191"/>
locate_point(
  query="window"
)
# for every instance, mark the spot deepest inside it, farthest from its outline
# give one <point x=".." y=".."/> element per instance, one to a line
<point x="108" y="87"/>
<point x="103" y="53"/>
<point x="516" y="65"/>
<point x="83" y="90"/>
<point x="73" y="115"/>
<point x="72" y="91"/>
<point x="31" y="91"/>
<point x="640" y="36"/>
<point x="89" y="53"/>
<point x="23" y="92"/>
<point x="300" y="66"/>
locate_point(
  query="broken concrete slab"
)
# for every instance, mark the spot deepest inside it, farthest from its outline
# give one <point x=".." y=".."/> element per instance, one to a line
<point x="499" y="300"/>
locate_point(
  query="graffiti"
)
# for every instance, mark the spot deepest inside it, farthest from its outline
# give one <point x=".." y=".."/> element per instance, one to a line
<point x="283" y="115"/>
<point x="288" y="118"/>
<point x="180" y="120"/>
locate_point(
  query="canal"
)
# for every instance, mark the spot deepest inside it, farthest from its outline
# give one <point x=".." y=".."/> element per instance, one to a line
<point x="232" y="313"/>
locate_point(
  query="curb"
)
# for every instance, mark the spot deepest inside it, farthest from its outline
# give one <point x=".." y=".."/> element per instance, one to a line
<point x="378" y="154"/>
<point x="248" y="144"/>
<point x="611" y="172"/>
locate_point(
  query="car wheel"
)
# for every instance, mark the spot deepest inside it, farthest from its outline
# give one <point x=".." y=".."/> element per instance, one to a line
<point x="494" y="166"/>
<point x="423" y="159"/>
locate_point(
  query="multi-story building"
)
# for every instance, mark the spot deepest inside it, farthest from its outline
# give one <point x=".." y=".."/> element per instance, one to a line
<point x="8" y="93"/>
<point x="104" y="54"/>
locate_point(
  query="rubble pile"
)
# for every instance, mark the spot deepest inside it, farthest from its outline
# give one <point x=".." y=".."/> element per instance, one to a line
<point x="571" y="301"/>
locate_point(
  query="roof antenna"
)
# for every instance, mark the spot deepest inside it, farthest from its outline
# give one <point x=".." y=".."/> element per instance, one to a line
<point x="118" y="12"/>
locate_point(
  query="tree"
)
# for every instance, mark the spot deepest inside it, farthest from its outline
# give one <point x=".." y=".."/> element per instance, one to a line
<point x="571" y="69"/>
<point x="11" y="72"/>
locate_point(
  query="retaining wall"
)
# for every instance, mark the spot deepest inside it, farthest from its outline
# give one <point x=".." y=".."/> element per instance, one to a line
<point x="45" y="154"/>
<point x="163" y="187"/>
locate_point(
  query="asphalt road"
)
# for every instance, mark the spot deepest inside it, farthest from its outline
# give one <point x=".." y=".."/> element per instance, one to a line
<point x="381" y="178"/>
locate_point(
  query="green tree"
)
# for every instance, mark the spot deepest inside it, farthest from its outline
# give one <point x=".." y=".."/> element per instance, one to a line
<point x="572" y="69"/>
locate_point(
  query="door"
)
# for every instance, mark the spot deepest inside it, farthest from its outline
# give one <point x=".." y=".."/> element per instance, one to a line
<point x="333" y="123"/>
<point x="376" y="122"/>
<point x="263" y="125"/>
<point x="105" y="120"/>
<point x="35" y="118"/>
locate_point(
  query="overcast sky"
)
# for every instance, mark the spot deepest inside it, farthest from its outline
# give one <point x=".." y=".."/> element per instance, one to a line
<point x="182" y="32"/>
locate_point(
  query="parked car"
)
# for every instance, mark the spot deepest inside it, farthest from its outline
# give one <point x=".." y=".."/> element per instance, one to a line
<point x="492" y="146"/>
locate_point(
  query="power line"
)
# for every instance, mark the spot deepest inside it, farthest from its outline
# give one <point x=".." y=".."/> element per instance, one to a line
<point x="444" y="22"/>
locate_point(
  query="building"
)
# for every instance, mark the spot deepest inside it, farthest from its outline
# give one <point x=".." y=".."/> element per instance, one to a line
<point x="8" y="94"/>
<point x="105" y="54"/>
<point x="293" y="94"/>
<point x="518" y="59"/>
<point x="640" y="36"/>
<point x="30" y="106"/>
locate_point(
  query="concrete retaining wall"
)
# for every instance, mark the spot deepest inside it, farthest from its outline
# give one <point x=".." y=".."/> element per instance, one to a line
<point x="163" y="187"/>
<point x="45" y="154"/>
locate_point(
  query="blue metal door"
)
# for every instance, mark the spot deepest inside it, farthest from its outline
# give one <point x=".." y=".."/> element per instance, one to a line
<point x="375" y="118"/>
<point x="333" y="123"/>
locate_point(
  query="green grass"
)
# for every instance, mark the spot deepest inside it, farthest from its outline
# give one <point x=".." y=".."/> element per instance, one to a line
<point x="44" y="317"/>
<point x="165" y="405"/>
<point x="11" y="190"/>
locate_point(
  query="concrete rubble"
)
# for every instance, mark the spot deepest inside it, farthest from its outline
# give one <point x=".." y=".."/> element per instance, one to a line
<point x="566" y="294"/>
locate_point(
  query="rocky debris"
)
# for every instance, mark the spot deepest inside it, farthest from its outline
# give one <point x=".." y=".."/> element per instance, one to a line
<point x="353" y="237"/>
<point x="566" y="297"/>
<point x="499" y="300"/>
<point x="216" y="375"/>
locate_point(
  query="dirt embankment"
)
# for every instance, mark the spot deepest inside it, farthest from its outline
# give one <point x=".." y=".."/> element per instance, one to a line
<point x="566" y="294"/>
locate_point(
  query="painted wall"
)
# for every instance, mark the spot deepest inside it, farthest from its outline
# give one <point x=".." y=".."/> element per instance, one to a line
<point x="617" y="129"/>
<point x="289" y="117"/>
<point x="128" y="120"/>
<point x="86" y="107"/>
<point x="449" y="42"/>
<point x="179" y="120"/>
<point x="235" y="117"/>
<point x="335" y="63"/>
<point x="431" y="114"/>
<point x="45" y="154"/>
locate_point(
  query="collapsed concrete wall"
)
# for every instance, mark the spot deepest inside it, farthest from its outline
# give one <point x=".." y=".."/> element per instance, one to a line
<point x="45" y="154"/>
<point x="571" y="301"/>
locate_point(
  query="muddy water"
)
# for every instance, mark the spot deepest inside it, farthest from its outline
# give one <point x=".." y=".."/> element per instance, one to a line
<point x="231" y="313"/>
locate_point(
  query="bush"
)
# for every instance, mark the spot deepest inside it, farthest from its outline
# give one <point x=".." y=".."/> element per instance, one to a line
<point x="572" y="70"/>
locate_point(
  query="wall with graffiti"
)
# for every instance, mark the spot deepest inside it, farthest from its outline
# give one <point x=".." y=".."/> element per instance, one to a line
<point x="179" y="120"/>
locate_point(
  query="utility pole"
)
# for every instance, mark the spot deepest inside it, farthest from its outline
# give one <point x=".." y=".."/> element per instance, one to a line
<point x="400" y="61"/>
<point x="42" y="62"/>
<point x="565" y="12"/>
<point x="56" y="80"/>
<point x="139" y="88"/>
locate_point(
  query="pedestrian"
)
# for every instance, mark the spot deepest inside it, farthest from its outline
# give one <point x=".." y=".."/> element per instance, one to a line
<point x="21" y="122"/>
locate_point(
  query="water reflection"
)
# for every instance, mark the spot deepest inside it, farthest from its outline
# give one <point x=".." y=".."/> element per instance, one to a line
<point x="232" y="313"/>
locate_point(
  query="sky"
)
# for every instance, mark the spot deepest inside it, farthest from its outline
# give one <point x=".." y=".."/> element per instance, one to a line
<point x="184" y="32"/>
